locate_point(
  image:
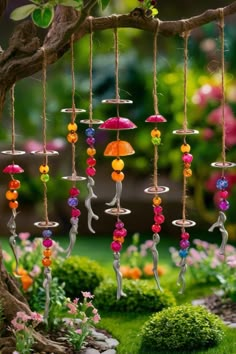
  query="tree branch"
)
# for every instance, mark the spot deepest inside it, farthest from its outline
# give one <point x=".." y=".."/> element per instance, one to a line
<point x="23" y="57"/>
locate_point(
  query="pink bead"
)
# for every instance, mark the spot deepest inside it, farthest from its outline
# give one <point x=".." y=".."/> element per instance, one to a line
<point x="74" y="192"/>
<point x="223" y="194"/>
<point x="91" y="161"/>
<point x="157" y="209"/>
<point x="116" y="246"/>
<point x="120" y="232"/>
<point x="184" y="244"/>
<point x="90" y="171"/>
<point x="90" y="140"/>
<point x="185" y="235"/>
<point x="159" y="219"/>
<point x="187" y="158"/>
<point x="47" y="242"/>
<point x="156" y="228"/>
<point x="75" y="213"/>
<point x="119" y="224"/>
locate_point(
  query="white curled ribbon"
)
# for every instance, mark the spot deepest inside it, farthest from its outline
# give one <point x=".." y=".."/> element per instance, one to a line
<point x="72" y="235"/>
<point x="155" y="259"/>
<point x="91" y="195"/>
<point x="46" y="285"/>
<point x="220" y="224"/>
<point x="181" y="279"/>
<point x="116" y="267"/>
<point x="116" y="199"/>
<point x="12" y="240"/>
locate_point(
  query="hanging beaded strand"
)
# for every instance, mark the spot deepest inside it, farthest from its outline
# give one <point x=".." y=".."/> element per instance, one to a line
<point x="72" y="138"/>
<point x="14" y="184"/>
<point x="90" y="139"/>
<point x="155" y="190"/>
<point x="187" y="172"/>
<point x="117" y="149"/>
<point x="222" y="182"/>
<point x="46" y="225"/>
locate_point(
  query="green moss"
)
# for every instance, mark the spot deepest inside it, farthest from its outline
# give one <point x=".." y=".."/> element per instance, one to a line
<point x="182" y="328"/>
<point x="142" y="296"/>
<point x="78" y="274"/>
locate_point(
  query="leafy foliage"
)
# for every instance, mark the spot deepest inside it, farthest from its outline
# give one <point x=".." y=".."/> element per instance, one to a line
<point x="184" y="327"/>
<point x="142" y="296"/>
<point x="78" y="274"/>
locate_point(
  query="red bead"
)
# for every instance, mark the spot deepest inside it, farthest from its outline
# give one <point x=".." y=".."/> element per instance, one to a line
<point x="74" y="192"/>
<point x="14" y="184"/>
<point x="185" y="235"/>
<point x="157" y="209"/>
<point x="223" y="194"/>
<point x="91" y="161"/>
<point x="156" y="228"/>
<point x="75" y="213"/>
<point x="116" y="246"/>
<point x="159" y="219"/>
<point x="90" y="171"/>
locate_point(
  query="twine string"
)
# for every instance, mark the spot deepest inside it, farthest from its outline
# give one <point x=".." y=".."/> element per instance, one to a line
<point x="45" y="159"/>
<point x="91" y="73"/>
<point x="13" y="136"/>
<point x="222" y="39"/>
<point x="73" y="115"/>
<point x="117" y="90"/>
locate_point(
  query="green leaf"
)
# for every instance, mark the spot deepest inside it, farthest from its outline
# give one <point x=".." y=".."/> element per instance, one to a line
<point x="43" y="16"/>
<point x="22" y="12"/>
<point x="104" y="3"/>
<point x="72" y="3"/>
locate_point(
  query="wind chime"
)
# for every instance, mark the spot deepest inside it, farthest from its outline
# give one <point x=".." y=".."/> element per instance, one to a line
<point x="155" y="190"/>
<point x="46" y="225"/>
<point x="117" y="149"/>
<point x="187" y="158"/>
<point x="222" y="183"/>
<point x="90" y="140"/>
<point x="72" y="138"/>
<point x="14" y="184"/>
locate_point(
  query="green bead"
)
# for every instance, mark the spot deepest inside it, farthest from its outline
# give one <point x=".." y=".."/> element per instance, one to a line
<point x="45" y="177"/>
<point x="156" y="141"/>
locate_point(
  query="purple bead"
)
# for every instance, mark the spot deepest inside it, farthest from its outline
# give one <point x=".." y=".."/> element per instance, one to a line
<point x="222" y="183"/>
<point x="47" y="242"/>
<point x="184" y="244"/>
<point x="157" y="209"/>
<point x="73" y="202"/>
<point x="90" y="141"/>
<point x="223" y="205"/>
<point x="119" y="224"/>
<point x="47" y="233"/>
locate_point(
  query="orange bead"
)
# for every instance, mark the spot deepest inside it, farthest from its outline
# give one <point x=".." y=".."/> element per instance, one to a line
<point x="72" y="127"/>
<point x="119" y="239"/>
<point x="13" y="204"/>
<point x="91" y="151"/>
<point x="43" y="168"/>
<point x="155" y="133"/>
<point x="72" y="137"/>
<point x="187" y="165"/>
<point x="117" y="176"/>
<point x="117" y="164"/>
<point x="14" y="184"/>
<point x="47" y="253"/>
<point x="46" y="262"/>
<point x="187" y="172"/>
<point x="156" y="201"/>
<point x="11" y="195"/>
<point x="185" y="148"/>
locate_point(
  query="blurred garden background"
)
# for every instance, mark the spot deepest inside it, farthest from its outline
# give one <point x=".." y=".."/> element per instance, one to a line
<point x="135" y="67"/>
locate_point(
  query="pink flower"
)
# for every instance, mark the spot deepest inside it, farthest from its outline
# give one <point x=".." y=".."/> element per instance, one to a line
<point x="215" y="117"/>
<point x="35" y="271"/>
<point x="89" y="304"/>
<point x="207" y="93"/>
<point x="95" y="311"/>
<point x="207" y="134"/>
<point x="78" y="331"/>
<point x="231" y="261"/>
<point x="96" y="318"/>
<point x="72" y="308"/>
<point x="87" y="294"/>
<point x="22" y="316"/>
<point x="24" y="236"/>
<point x="36" y="317"/>
<point x="17" y="326"/>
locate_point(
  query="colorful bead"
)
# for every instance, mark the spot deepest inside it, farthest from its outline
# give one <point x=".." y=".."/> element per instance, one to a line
<point x="45" y="177"/>
<point x="47" y="242"/>
<point x="223" y="194"/>
<point x="120" y="232"/>
<point x="157" y="209"/>
<point x="90" y="132"/>
<point x="47" y="233"/>
<point x="13" y="204"/>
<point x="117" y="164"/>
<point x="185" y="235"/>
<point x="14" y="184"/>
<point x="119" y="224"/>
<point x="90" y="171"/>
<point x="117" y="176"/>
<point x="156" y="141"/>
<point x="43" y="168"/>
<point x="222" y="183"/>
<point x="90" y="141"/>
<point x="46" y="262"/>
<point x="91" y="161"/>
<point x="72" y="137"/>
<point x="47" y="253"/>
<point x="72" y="127"/>
<point x="73" y="202"/>
<point x="116" y="246"/>
<point x="74" y="192"/>
<point x="155" y="133"/>
<point x="187" y="158"/>
<point x="11" y="195"/>
<point x="91" y="151"/>
<point x="224" y="205"/>
<point x="187" y="172"/>
<point x="183" y="253"/>
<point x="185" y="148"/>
<point x="156" y="201"/>
<point x="75" y="213"/>
<point x="159" y="219"/>
<point x="184" y="244"/>
<point x="156" y="228"/>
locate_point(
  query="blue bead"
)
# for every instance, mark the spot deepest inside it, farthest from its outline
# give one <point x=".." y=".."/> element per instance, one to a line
<point x="183" y="253"/>
<point x="222" y="184"/>
<point x="47" y="233"/>
<point x="90" y="132"/>
<point x="73" y="202"/>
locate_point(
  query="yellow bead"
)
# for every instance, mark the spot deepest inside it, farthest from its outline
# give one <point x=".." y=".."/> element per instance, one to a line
<point x="117" y="176"/>
<point x="72" y="127"/>
<point x="91" y="151"/>
<point x="155" y="133"/>
<point x="156" y="201"/>
<point x="11" y="195"/>
<point x="43" y="168"/>
<point x="117" y="164"/>
<point x="187" y="172"/>
<point x="72" y="137"/>
<point x="185" y="148"/>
